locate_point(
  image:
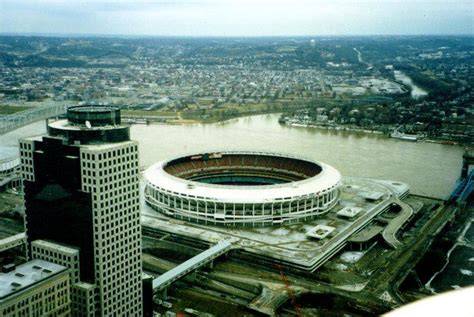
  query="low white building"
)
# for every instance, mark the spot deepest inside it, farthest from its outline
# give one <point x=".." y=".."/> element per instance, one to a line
<point x="82" y="294"/>
<point x="35" y="288"/>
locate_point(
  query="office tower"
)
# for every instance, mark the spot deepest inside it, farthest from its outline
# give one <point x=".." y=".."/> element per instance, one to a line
<point x="82" y="191"/>
<point x="35" y="288"/>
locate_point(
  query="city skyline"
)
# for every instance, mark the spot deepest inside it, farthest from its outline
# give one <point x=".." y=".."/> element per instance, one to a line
<point x="184" y="175"/>
<point x="236" y="18"/>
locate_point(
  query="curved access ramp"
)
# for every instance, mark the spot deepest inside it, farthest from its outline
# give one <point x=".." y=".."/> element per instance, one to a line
<point x="389" y="234"/>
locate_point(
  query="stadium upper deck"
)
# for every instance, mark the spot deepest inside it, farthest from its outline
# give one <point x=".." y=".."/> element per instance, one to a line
<point x="242" y="188"/>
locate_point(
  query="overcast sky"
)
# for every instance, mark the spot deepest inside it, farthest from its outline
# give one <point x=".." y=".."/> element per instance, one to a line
<point x="238" y="17"/>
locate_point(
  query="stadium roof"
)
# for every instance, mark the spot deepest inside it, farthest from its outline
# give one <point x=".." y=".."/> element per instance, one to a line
<point x="328" y="178"/>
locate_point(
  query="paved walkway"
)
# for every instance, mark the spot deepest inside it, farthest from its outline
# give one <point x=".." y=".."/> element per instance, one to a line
<point x="164" y="280"/>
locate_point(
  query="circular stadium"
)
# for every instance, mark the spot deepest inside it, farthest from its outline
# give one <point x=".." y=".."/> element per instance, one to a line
<point x="237" y="188"/>
<point x="9" y="160"/>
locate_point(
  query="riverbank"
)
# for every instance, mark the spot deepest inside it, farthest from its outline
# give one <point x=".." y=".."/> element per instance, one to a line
<point x="177" y="119"/>
<point x="335" y="128"/>
<point x="357" y="130"/>
<point x="454" y="253"/>
<point x="430" y="169"/>
<point x="214" y="115"/>
<point x="416" y="92"/>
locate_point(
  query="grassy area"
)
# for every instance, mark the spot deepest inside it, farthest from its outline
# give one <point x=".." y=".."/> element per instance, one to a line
<point x="4" y="110"/>
<point x="232" y="110"/>
<point x="149" y="113"/>
<point x="221" y="112"/>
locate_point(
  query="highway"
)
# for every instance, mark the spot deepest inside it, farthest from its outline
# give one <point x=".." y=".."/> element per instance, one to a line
<point x="337" y="243"/>
<point x="12" y="241"/>
<point x="404" y="259"/>
<point x="262" y="289"/>
<point x="22" y="118"/>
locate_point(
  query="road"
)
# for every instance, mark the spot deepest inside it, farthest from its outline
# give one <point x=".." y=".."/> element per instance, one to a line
<point x="390" y="232"/>
<point x="388" y="279"/>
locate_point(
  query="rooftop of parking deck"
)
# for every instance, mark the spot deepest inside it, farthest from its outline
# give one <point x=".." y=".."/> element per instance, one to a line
<point x="289" y="243"/>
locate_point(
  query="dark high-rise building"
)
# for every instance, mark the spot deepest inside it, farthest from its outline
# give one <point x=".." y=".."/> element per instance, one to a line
<point x="81" y="190"/>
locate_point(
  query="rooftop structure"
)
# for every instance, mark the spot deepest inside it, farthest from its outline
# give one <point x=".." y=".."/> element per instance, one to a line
<point x="59" y="254"/>
<point x="91" y="125"/>
<point x="35" y="288"/>
<point x="82" y="294"/>
<point x="371" y="195"/>
<point x="292" y="244"/>
<point x="26" y="275"/>
<point x="349" y="212"/>
<point x="320" y="231"/>
<point x="242" y="188"/>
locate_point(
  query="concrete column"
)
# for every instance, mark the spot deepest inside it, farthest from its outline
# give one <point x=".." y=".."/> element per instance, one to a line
<point x="163" y="294"/>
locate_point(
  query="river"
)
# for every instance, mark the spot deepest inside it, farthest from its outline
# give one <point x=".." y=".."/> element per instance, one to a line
<point x="430" y="169"/>
<point x="416" y="92"/>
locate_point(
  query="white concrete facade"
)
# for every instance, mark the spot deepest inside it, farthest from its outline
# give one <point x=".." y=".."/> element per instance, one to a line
<point x="36" y="288"/>
<point x="82" y="294"/>
<point x="26" y="155"/>
<point x="110" y="173"/>
<point x="252" y="206"/>
<point x="83" y="301"/>
<point x="98" y="152"/>
<point x="55" y="253"/>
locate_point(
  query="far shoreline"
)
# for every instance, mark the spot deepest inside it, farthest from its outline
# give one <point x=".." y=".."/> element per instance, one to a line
<point x="337" y="128"/>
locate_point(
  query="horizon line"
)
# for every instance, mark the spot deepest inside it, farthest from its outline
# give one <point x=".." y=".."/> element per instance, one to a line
<point x="47" y="34"/>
